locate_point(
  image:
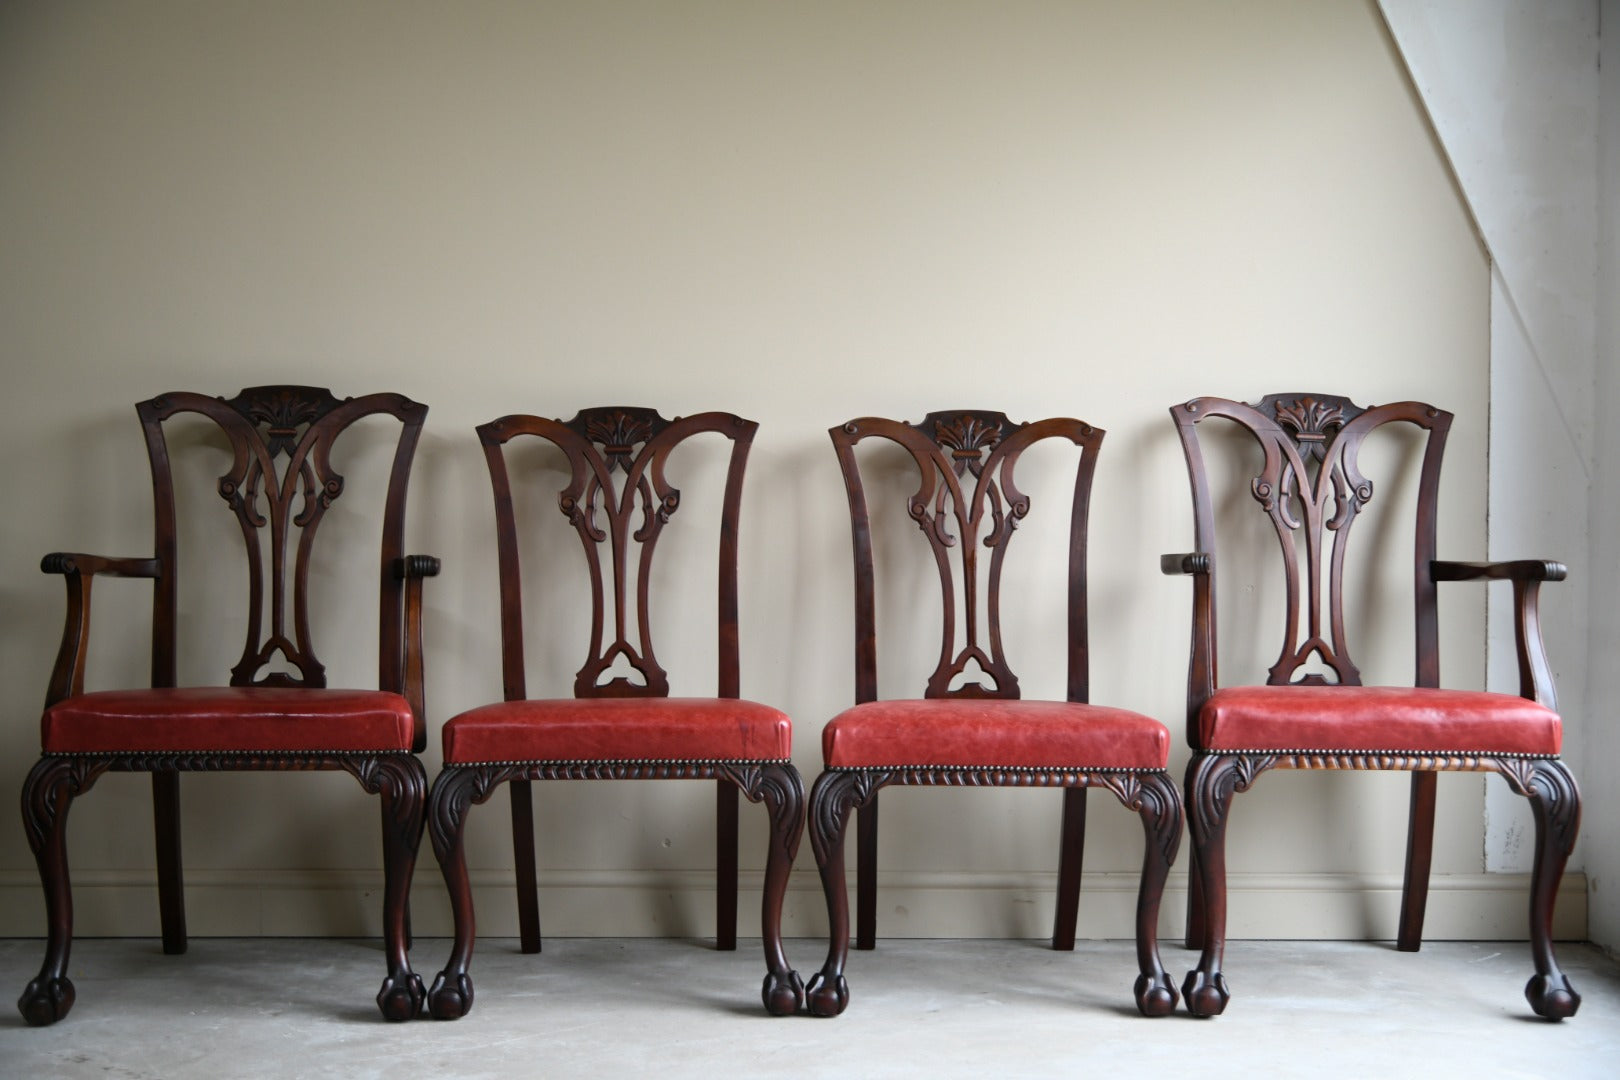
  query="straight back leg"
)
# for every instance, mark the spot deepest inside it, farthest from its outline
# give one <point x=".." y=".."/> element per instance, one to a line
<point x="523" y="860"/>
<point x="1419" y="854"/>
<point x="725" y="864"/>
<point x="171" y="884"/>
<point x="866" y="841"/>
<point x="1071" y="858"/>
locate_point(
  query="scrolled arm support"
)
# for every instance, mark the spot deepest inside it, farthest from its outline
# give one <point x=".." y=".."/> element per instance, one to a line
<point x="1200" y="566"/>
<point x="412" y="567"/>
<point x="1192" y="562"/>
<point x="412" y="570"/>
<point x="1535" y="674"/>
<point x="78" y="570"/>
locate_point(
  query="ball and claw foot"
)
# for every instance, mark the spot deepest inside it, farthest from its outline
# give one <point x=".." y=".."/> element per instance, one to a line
<point x="1205" y="997"/>
<point x="1551" y="998"/>
<point x="824" y="998"/>
<point x="401" y="999"/>
<point x="45" y="1001"/>
<point x="1155" y="996"/>
<point x="783" y="993"/>
<point x="446" y="1002"/>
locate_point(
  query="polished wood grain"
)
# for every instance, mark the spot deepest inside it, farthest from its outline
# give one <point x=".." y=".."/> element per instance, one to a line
<point x="281" y="485"/>
<point x="968" y="505"/>
<point x="1312" y="490"/>
<point x="619" y="499"/>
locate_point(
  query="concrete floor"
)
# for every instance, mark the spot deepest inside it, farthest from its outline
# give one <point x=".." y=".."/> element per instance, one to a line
<point x="612" y="1007"/>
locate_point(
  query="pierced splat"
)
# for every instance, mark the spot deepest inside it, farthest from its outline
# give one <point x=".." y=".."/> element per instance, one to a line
<point x="618" y="521"/>
<point x="967" y="499"/>
<point x="280" y="485"/>
<point x="1311" y="488"/>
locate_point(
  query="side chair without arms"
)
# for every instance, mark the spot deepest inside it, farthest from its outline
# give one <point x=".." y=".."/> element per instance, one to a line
<point x="277" y="713"/>
<point x="1311" y="487"/>
<point x="617" y="727"/>
<point x="980" y="733"/>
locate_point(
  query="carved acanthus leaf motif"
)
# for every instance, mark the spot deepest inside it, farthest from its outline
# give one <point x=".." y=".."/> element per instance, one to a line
<point x="1309" y="418"/>
<point x="283" y="410"/>
<point x="969" y="436"/>
<point x="619" y="431"/>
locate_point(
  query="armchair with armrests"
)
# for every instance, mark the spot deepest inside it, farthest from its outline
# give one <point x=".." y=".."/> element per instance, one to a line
<point x="276" y="713"/>
<point x="1312" y="488"/>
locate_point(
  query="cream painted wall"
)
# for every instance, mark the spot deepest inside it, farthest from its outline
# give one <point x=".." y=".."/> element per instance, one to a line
<point x="798" y="212"/>
<point x="1512" y="89"/>
<point x="1602" y="824"/>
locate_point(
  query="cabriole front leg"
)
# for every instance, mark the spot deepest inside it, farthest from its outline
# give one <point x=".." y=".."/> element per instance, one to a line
<point x="1555" y="803"/>
<point x="402" y="785"/>
<point x="1154" y="797"/>
<point x="49" y="790"/>
<point x="453" y="794"/>
<point x="1212" y="781"/>
<point x="782" y="791"/>
<point x="835" y="795"/>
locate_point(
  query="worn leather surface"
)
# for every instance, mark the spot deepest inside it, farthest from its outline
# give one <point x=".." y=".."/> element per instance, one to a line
<point x="1376" y="718"/>
<point x="225" y="719"/>
<point x="964" y="733"/>
<point x="619" y="729"/>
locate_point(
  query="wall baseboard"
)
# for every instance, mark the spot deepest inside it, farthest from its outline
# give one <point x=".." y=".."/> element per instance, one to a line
<point x="598" y="903"/>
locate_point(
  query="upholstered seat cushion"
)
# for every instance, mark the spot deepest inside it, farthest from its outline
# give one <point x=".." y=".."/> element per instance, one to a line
<point x="227" y="719"/>
<point x="1370" y="718"/>
<point x="619" y="729"/>
<point x="961" y="733"/>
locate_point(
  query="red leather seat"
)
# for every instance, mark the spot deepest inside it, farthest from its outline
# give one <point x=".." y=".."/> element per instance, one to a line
<point x="1014" y="734"/>
<point x="619" y="729"/>
<point x="228" y="719"/>
<point x="1376" y="718"/>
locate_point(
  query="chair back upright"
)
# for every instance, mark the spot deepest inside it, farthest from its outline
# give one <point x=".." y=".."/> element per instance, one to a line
<point x="967" y="498"/>
<point x="1312" y="489"/>
<point x="618" y="500"/>
<point x="280" y="485"/>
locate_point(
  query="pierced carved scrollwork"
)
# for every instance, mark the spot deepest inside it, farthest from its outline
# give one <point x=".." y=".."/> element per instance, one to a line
<point x="280" y="484"/>
<point x="967" y="501"/>
<point x="618" y="522"/>
<point x="1312" y="489"/>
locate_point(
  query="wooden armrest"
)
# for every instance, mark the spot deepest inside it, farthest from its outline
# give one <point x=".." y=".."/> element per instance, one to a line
<point x="1535" y="675"/>
<point x="1194" y="562"/>
<point x="413" y="570"/>
<point x="78" y="570"/>
<point x="75" y="562"/>
<point x="1513" y="570"/>
<point x="416" y="566"/>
